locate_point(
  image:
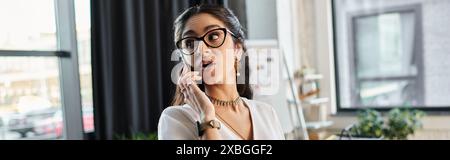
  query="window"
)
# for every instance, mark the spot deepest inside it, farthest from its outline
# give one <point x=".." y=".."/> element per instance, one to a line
<point x="30" y="98"/>
<point x="39" y="82"/>
<point x="388" y="56"/>
<point x="27" y="25"/>
<point x="83" y="28"/>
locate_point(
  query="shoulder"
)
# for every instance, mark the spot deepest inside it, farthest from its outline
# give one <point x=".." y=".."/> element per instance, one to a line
<point x="262" y="109"/>
<point x="178" y="123"/>
<point x="265" y="115"/>
<point x="260" y="106"/>
<point x="184" y="112"/>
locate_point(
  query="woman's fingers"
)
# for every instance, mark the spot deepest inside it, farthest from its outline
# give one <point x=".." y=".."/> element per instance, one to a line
<point x="197" y="76"/>
<point x="185" y="82"/>
<point x="186" y="69"/>
<point x="188" y="80"/>
<point x="182" y="81"/>
<point x="191" y="78"/>
<point x="189" y="90"/>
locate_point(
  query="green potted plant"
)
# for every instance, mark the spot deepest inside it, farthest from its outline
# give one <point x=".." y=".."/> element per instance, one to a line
<point x="139" y="136"/>
<point x="370" y="125"/>
<point x="400" y="124"/>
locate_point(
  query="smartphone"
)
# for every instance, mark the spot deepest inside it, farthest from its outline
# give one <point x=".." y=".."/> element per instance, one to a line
<point x="186" y="62"/>
<point x="190" y="61"/>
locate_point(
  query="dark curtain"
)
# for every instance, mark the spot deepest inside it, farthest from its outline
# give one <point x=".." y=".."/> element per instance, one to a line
<point x="132" y="41"/>
<point x="131" y="47"/>
<point x="218" y="2"/>
<point x="237" y="6"/>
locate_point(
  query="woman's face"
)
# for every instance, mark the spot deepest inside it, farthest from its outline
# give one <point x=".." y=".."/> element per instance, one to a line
<point x="216" y="64"/>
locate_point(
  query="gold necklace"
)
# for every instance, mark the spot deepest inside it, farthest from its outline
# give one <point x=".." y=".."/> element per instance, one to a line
<point x="234" y="130"/>
<point x="219" y="102"/>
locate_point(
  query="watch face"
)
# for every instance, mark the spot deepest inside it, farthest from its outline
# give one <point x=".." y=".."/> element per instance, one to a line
<point x="214" y="124"/>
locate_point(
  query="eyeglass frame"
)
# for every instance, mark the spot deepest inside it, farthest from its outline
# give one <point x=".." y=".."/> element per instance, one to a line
<point x="202" y="38"/>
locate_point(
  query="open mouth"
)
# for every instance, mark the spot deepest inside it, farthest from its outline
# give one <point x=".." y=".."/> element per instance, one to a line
<point x="206" y="64"/>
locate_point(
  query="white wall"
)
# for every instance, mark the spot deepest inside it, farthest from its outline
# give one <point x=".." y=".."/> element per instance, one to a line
<point x="316" y="44"/>
<point x="325" y="51"/>
<point x="268" y="24"/>
<point x="261" y="19"/>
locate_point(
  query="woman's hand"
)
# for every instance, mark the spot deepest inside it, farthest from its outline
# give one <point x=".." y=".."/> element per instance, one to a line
<point x="194" y="96"/>
<point x="198" y="100"/>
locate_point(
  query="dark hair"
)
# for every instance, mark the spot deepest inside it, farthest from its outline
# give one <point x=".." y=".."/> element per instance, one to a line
<point x="232" y="23"/>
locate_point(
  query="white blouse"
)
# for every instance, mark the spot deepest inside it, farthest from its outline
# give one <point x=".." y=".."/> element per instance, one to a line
<point x="180" y="123"/>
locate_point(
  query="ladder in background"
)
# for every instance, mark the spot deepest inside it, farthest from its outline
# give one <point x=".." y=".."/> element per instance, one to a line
<point x="298" y="109"/>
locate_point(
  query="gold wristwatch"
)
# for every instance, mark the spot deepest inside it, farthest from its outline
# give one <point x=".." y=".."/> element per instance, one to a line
<point x="207" y="125"/>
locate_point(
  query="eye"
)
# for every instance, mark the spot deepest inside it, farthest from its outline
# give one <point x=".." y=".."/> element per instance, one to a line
<point x="188" y="43"/>
<point x="213" y="37"/>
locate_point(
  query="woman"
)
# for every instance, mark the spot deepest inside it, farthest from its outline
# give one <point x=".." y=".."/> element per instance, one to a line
<point x="219" y="108"/>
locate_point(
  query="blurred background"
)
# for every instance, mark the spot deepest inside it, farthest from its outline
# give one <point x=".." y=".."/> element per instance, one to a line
<point x="348" y="69"/>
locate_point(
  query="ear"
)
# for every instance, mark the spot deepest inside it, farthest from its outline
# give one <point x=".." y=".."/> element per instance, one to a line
<point x="239" y="50"/>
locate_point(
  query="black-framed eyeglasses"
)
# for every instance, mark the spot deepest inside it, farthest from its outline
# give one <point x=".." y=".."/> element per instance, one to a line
<point x="214" y="38"/>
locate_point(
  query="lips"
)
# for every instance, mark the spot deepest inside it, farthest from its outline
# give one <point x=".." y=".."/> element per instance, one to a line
<point x="205" y="64"/>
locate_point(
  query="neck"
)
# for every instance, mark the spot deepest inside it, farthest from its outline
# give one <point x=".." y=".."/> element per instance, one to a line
<point x="225" y="92"/>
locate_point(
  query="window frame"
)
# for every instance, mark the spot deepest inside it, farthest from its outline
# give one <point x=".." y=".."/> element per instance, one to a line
<point x="67" y="55"/>
<point x="418" y="53"/>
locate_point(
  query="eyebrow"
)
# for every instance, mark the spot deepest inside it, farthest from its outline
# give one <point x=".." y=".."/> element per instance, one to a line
<point x="207" y="28"/>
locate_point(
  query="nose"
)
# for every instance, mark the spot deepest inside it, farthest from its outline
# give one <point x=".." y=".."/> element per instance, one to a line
<point x="204" y="50"/>
<point x="202" y="53"/>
